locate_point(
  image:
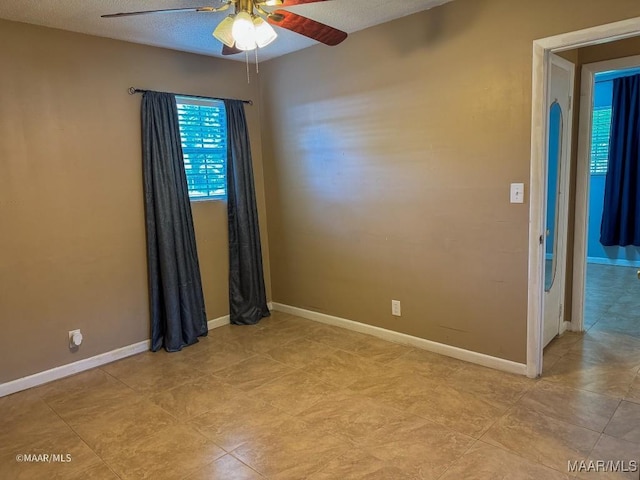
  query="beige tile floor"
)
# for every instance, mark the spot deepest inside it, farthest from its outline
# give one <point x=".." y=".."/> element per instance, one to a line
<point x="293" y="399"/>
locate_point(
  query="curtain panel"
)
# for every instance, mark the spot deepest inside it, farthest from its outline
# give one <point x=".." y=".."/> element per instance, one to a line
<point x="621" y="213"/>
<point x="247" y="297"/>
<point x="177" y="308"/>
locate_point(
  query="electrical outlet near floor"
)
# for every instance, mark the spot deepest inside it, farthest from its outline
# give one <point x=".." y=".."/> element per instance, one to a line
<point x="395" y="308"/>
<point x="75" y="339"/>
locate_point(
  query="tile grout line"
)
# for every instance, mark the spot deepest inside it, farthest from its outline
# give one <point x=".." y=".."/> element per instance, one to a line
<point x="457" y="460"/>
<point x="554" y="420"/>
<point x="82" y="440"/>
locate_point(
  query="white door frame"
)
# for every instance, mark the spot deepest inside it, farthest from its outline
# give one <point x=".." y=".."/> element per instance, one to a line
<point x="583" y="179"/>
<point x="541" y="49"/>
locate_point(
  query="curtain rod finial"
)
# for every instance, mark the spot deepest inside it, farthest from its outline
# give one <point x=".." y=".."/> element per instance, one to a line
<point x="131" y="90"/>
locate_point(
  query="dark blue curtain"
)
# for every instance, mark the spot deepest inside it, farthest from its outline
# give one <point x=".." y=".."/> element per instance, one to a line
<point x="247" y="298"/>
<point x="178" y="316"/>
<point x="621" y="215"/>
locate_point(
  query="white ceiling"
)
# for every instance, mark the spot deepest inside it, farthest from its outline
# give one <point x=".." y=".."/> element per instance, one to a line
<point x="191" y="32"/>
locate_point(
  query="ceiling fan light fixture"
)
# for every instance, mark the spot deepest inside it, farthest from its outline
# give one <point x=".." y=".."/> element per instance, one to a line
<point x="265" y="34"/>
<point x="244" y="31"/>
<point x="224" y="31"/>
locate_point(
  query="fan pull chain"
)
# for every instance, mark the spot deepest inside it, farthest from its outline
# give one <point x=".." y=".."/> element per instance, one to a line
<point x="257" y="67"/>
<point x="246" y="56"/>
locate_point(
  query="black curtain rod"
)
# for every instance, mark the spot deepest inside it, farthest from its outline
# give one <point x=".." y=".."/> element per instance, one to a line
<point x="133" y="91"/>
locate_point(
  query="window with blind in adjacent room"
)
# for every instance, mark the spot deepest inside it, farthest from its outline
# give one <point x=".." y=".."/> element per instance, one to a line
<point x="600" y="140"/>
<point x="203" y="132"/>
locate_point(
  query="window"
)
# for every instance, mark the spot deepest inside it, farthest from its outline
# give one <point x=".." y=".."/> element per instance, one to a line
<point x="203" y="132"/>
<point x="600" y="140"/>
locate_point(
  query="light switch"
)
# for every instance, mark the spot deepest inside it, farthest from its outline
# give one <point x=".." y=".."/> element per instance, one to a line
<point x="517" y="193"/>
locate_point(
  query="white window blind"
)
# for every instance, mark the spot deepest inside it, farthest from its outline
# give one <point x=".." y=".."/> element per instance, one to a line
<point x="600" y="140"/>
<point x="203" y="132"/>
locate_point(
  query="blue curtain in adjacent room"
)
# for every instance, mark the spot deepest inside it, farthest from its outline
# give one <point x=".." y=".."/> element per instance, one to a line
<point x="247" y="297"/>
<point x="178" y="316"/>
<point x="621" y="214"/>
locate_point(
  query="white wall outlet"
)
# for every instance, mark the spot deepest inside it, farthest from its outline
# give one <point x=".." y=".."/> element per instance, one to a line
<point x="75" y="338"/>
<point x="395" y="308"/>
<point x="517" y="193"/>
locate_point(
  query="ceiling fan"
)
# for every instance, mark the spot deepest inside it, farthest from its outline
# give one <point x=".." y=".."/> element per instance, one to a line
<point x="249" y="27"/>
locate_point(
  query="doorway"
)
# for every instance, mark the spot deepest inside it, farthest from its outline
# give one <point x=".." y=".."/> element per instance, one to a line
<point x="605" y="294"/>
<point x="541" y="103"/>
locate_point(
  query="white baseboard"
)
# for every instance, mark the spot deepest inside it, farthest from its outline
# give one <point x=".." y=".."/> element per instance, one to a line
<point x="404" y="339"/>
<point x="72" y="368"/>
<point x="615" y="262"/>
<point x="218" y="322"/>
<point x="62" y="371"/>
<point x="81" y="365"/>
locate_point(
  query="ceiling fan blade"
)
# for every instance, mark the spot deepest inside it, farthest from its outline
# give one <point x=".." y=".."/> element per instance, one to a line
<point x="226" y="50"/>
<point x="290" y="3"/>
<point x="168" y="10"/>
<point x="284" y="3"/>
<point x="307" y="27"/>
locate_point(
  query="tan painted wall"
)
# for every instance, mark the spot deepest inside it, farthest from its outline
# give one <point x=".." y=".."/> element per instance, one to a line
<point x="72" y="238"/>
<point x="608" y="51"/>
<point x="388" y="161"/>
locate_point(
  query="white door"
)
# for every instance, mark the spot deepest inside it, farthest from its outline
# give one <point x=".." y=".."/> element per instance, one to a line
<point x="557" y="205"/>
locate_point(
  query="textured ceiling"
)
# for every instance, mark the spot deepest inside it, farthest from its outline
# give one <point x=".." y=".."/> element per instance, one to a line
<point x="191" y="32"/>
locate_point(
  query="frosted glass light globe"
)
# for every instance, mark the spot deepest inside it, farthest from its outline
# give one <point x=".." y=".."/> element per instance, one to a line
<point x="244" y="32"/>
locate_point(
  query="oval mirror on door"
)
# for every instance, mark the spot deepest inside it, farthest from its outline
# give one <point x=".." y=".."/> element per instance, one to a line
<point x="553" y="183"/>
